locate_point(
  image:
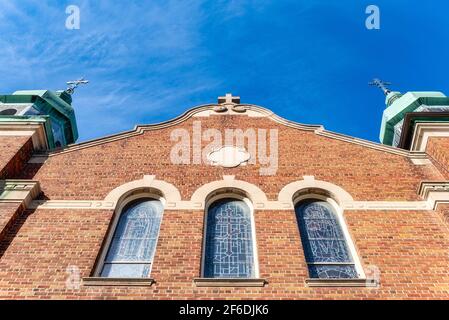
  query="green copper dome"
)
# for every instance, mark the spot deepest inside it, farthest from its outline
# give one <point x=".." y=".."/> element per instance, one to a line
<point x="399" y="105"/>
<point x="52" y="108"/>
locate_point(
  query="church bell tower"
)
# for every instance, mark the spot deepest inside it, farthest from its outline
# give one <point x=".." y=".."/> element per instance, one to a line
<point x="417" y="122"/>
<point x="34" y="122"/>
<point x="51" y="111"/>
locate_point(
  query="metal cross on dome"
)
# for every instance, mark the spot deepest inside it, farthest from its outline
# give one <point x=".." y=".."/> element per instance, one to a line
<point x="383" y="85"/>
<point x="72" y="85"/>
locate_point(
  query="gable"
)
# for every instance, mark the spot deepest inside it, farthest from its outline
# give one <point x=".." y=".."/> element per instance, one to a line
<point x="92" y="169"/>
<point x="251" y="113"/>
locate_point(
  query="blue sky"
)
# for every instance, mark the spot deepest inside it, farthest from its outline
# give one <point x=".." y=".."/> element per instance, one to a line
<point x="149" y="61"/>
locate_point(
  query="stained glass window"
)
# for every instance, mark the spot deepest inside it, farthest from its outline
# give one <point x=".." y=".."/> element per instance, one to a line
<point x="326" y="251"/>
<point x="133" y="245"/>
<point x="229" y="249"/>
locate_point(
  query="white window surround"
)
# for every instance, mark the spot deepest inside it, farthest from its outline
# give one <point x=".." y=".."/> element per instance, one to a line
<point x="290" y="192"/>
<point x="168" y="192"/>
<point x="213" y="197"/>
<point x="253" y="193"/>
<point x="349" y="240"/>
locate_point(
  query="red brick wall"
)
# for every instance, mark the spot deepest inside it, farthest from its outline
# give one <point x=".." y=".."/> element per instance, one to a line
<point x="8" y="213"/>
<point x="443" y="210"/>
<point x="438" y="149"/>
<point x="14" y="153"/>
<point x="409" y="247"/>
<point x="93" y="172"/>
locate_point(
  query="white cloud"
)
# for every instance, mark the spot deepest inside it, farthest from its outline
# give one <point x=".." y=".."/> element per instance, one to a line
<point x="137" y="56"/>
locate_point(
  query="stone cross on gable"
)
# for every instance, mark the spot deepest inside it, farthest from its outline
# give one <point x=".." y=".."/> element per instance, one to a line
<point x="228" y="99"/>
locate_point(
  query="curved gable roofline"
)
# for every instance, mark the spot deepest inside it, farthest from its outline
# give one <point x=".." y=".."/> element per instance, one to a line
<point x="317" y="129"/>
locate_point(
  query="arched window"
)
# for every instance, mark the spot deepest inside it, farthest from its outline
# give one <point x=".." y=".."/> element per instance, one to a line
<point x="132" y="247"/>
<point x="325" y="245"/>
<point x="229" y="242"/>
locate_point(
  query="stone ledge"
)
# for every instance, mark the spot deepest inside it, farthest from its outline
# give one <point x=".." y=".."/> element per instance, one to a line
<point x="434" y="192"/>
<point x="19" y="191"/>
<point x="128" y="282"/>
<point x="230" y="282"/>
<point x="424" y="131"/>
<point x="27" y="127"/>
<point x="432" y="186"/>
<point x="372" y="283"/>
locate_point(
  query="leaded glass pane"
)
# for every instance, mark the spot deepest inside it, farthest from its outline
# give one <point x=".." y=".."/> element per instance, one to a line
<point x="332" y="271"/>
<point x="134" y="242"/>
<point x="229" y="241"/>
<point x="323" y="250"/>
<point x="117" y="270"/>
<point x="325" y="247"/>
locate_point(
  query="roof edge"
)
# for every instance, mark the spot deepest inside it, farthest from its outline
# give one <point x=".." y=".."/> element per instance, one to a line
<point x="317" y="129"/>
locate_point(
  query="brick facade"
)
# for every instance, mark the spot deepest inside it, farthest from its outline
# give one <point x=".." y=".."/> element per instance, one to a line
<point x="438" y="150"/>
<point x="9" y="212"/>
<point x="410" y="248"/>
<point x="15" y="152"/>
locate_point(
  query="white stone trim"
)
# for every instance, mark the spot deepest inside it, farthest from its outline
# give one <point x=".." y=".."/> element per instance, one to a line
<point x="387" y="205"/>
<point x="421" y="162"/>
<point x="23" y="133"/>
<point x="118" y="282"/>
<point x="254" y="193"/>
<point x="432" y="193"/>
<point x="425" y="130"/>
<point x="35" y="130"/>
<point x="19" y="191"/>
<point x="270" y="205"/>
<point x="230" y="282"/>
<point x="333" y="283"/>
<point x="287" y="193"/>
<point x="230" y="111"/>
<point x="228" y="156"/>
<point x="72" y="204"/>
<point x="170" y="193"/>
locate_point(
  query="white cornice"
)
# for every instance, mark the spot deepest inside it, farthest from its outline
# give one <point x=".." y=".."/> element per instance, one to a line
<point x="434" y="193"/>
<point x="33" y="129"/>
<point x="19" y="191"/>
<point x="425" y="130"/>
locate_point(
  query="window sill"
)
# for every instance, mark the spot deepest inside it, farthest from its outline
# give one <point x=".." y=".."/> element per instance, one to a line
<point x="342" y="283"/>
<point x="230" y="282"/>
<point x="128" y="282"/>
